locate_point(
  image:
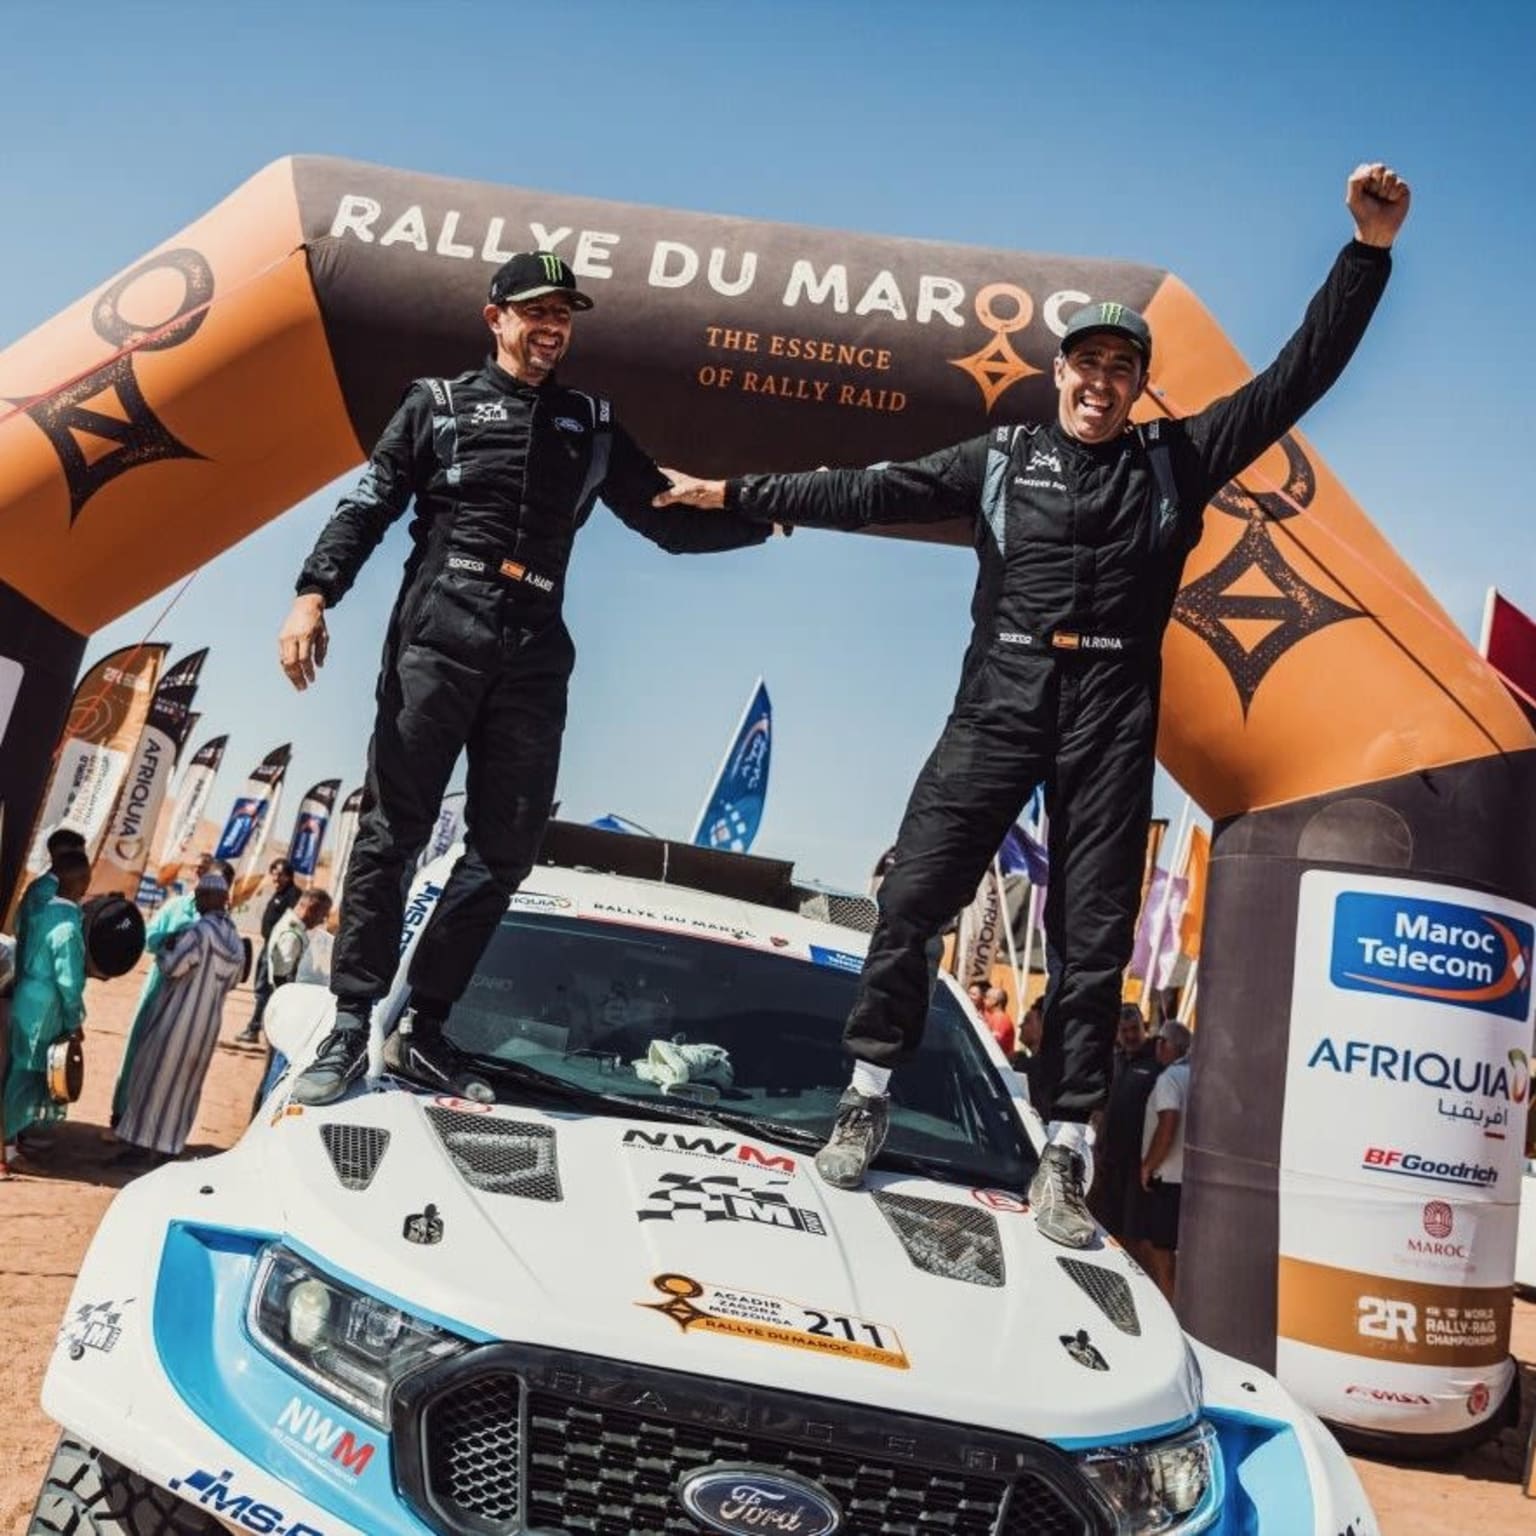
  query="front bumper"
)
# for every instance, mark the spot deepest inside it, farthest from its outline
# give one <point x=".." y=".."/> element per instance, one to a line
<point x="514" y="1436"/>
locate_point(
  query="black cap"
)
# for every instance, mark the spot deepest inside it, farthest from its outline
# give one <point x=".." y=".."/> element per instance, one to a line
<point x="531" y="275"/>
<point x="1119" y="318"/>
<point x="113" y="931"/>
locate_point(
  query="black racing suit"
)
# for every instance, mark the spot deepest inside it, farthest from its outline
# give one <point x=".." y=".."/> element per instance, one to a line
<point x="1081" y="553"/>
<point x="476" y="656"/>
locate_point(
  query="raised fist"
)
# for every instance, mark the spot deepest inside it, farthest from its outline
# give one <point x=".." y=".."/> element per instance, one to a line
<point x="1378" y="199"/>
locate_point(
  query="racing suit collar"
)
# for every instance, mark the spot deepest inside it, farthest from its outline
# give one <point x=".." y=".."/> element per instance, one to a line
<point x="509" y="383"/>
<point x="1097" y="453"/>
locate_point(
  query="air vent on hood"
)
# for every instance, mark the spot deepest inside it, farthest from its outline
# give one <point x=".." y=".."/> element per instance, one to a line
<point x="502" y="1157"/>
<point x="356" y="1151"/>
<point x="958" y="1242"/>
<point x="1111" y="1293"/>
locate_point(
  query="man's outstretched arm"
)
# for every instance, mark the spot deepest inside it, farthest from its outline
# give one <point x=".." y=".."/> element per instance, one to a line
<point x="1231" y="433"/>
<point x="360" y="520"/>
<point x="931" y="489"/>
<point x="636" y="490"/>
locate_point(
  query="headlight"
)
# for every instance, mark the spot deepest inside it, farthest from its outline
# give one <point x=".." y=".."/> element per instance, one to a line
<point x="1174" y="1487"/>
<point x="352" y="1346"/>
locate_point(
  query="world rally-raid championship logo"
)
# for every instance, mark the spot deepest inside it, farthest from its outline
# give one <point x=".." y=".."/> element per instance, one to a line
<point x="1435" y="951"/>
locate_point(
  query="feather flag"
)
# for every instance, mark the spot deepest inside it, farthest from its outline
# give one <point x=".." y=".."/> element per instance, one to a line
<point x="733" y="810"/>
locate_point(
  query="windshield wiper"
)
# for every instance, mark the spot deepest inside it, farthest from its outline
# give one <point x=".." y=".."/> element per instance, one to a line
<point x="761" y="1125"/>
<point x="558" y="1088"/>
<point x="664" y="1108"/>
<point x="940" y="1170"/>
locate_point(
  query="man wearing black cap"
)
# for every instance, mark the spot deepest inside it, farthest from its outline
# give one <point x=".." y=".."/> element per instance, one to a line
<point x="504" y="464"/>
<point x="1082" y="528"/>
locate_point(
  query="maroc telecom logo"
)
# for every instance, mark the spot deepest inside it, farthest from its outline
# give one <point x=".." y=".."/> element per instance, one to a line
<point x="1436" y="951"/>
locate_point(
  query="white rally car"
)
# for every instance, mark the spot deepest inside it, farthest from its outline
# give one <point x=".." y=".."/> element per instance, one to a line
<point x="618" y="1299"/>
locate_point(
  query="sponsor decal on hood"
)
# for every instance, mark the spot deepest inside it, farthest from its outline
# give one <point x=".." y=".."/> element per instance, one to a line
<point x="700" y="1307"/>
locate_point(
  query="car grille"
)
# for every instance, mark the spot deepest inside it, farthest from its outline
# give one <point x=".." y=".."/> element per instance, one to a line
<point x="473" y="1447"/>
<point x="514" y="1439"/>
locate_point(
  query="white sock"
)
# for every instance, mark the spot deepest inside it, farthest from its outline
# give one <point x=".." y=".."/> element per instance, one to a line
<point x="1076" y="1134"/>
<point x="870" y="1080"/>
<point x="1079" y="1138"/>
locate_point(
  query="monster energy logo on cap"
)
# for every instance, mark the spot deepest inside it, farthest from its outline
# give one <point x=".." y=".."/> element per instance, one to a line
<point x="531" y="275"/>
<point x="1109" y="316"/>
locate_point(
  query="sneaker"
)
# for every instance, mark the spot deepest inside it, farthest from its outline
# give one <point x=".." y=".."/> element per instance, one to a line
<point x="418" y="1050"/>
<point x="250" y="1035"/>
<point x="340" y="1061"/>
<point x="1056" y="1197"/>
<point x="858" y="1133"/>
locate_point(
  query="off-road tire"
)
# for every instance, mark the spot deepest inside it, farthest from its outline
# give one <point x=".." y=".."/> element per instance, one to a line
<point x="86" y="1493"/>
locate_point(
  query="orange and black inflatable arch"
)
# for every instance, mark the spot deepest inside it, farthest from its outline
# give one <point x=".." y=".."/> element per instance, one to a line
<point x="1318" y="702"/>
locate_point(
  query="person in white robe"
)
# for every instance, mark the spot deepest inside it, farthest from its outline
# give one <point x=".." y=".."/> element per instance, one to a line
<point x="179" y="1036"/>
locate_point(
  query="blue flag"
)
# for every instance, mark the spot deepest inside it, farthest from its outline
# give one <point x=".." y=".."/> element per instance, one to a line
<point x="734" y="810"/>
<point x="1022" y="853"/>
<point x="608" y="822"/>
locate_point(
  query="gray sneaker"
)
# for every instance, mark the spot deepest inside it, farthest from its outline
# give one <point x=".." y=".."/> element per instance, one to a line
<point x="858" y="1133"/>
<point x="340" y="1061"/>
<point x="1056" y="1197"/>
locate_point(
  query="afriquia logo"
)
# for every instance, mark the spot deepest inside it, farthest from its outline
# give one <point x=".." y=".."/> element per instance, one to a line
<point x="1435" y="951"/>
<point x="746" y="1498"/>
<point x="1447" y="1072"/>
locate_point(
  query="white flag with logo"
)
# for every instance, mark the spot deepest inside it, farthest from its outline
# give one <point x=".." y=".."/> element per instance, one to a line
<point x="106" y="718"/>
<point x="980" y="932"/>
<point x="346" y="835"/>
<point x="192" y="797"/>
<point x="125" y="848"/>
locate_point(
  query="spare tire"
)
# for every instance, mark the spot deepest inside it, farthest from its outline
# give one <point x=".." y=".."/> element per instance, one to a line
<point x="114" y="935"/>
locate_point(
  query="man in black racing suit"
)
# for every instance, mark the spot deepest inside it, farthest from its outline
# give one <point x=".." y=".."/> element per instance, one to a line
<point x="504" y="464"/>
<point x="1082" y="529"/>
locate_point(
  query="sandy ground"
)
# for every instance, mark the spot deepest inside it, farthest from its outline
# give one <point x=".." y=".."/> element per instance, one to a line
<point x="49" y="1217"/>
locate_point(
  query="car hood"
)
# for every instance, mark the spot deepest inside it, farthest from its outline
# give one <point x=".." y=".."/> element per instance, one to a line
<point x="699" y="1251"/>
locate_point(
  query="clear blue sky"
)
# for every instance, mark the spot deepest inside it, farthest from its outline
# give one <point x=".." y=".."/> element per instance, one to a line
<point x="1212" y="139"/>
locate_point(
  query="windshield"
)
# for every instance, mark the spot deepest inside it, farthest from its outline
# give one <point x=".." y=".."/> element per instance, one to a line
<point x="597" y="1007"/>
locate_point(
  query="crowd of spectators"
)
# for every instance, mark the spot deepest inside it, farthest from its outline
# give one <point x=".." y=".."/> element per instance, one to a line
<point x="197" y="955"/>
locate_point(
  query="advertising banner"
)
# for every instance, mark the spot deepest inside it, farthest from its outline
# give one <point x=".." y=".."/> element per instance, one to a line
<point x="1407" y="1086"/>
<point x="107" y="717"/>
<point x="981" y="930"/>
<point x="192" y="798"/>
<point x="254" y="808"/>
<point x="733" y="810"/>
<point x="125" y="848"/>
<point x="346" y="835"/>
<point x="309" y="826"/>
<point x="447" y="830"/>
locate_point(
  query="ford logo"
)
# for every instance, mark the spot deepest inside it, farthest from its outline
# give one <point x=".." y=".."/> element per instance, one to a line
<point x="747" y="1498"/>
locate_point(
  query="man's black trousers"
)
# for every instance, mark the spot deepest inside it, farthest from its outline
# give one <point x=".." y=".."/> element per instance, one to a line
<point x="1086" y="728"/>
<point x="462" y="682"/>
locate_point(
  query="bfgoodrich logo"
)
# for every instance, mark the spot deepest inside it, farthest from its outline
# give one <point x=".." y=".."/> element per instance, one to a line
<point x="1435" y="951"/>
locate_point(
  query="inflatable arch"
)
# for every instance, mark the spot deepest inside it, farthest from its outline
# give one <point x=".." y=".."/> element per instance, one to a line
<point x="1358" y="1114"/>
